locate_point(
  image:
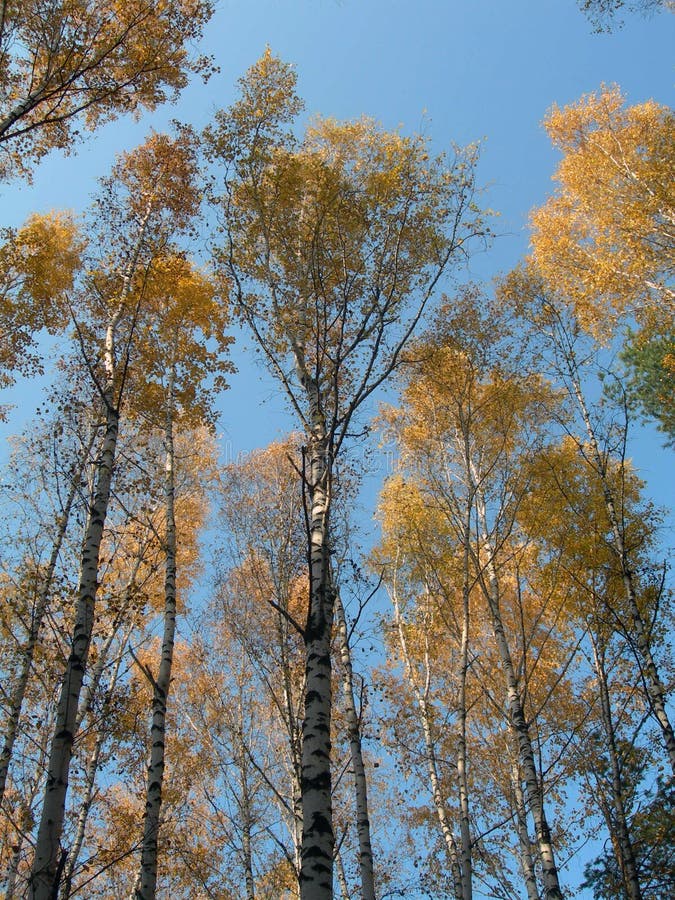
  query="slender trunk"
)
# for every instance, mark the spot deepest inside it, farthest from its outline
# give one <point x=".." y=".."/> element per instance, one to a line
<point x="135" y="889"/>
<point x="148" y="867"/>
<point x="466" y="862"/>
<point x="318" y="841"/>
<point x="90" y="780"/>
<point x="49" y="860"/>
<point x="39" y="610"/>
<point x="524" y="843"/>
<point x="356" y="750"/>
<point x="45" y="871"/>
<point x="90" y="690"/>
<point x="16" y="881"/>
<point x="244" y="803"/>
<point x="422" y="700"/>
<point x="518" y="721"/>
<point x="341" y="877"/>
<point x="655" y="689"/>
<point x="246" y="846"/>
<point x="26" y="106"/>
<point x="22" y="818"/>
<point x="625" y="857"/>
<point x="296" y="793"/>
<point x="295" y="740"/>
<point x="13" y="868"/>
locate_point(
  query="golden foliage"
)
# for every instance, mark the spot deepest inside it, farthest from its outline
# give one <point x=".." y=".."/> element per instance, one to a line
<point x="606" y="239"/>
<point x="79" y="62"/>
<point x="336" y="241"/>
<point x="184" y="332"/>
<point x="38" y="265"/>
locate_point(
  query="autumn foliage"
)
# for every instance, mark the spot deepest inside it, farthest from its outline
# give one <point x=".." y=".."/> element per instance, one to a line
<point x="216" y="681"/>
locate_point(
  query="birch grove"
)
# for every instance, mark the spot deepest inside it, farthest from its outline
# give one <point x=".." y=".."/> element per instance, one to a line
<point x="334" y="247"/>
<point x="421" y="648"/>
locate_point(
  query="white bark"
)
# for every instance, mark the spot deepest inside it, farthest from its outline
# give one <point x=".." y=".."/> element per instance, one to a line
<point x="90" y="779"/>
<point x="421" y="694"/>
<point x="153" y="803"/>
<point x="244" y="803"/>
<point x="356" y="751"/>
<point x="341" y="877"/>
<point x="316" y="872"/>
<point x="39" y="610"/>
<point x="45" y="871"/>
<point x="517" y="717"/>
<point x="524" y="843"/>
<point x="466" y="844"/>
<point x="289" y="714"/>
<point x="90" y="690"/>
<point x="295" y="741"/>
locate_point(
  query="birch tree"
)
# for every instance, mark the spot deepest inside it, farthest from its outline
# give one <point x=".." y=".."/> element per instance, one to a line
<point x="37" y="605"/>
<point x="38" y="264"/>
<point x="176" y="366"/>
<point x="150" y="197"/>
<point x="605" y="240"/>
<point x="334" y="246"/>
<point x="126" y="570"/>
<point x="469" y="422"/>
<point x="68" y="64"/>
<point x="553" y="321"/>
<point x="353" y="719"/>
<point x="262" y="599"/>
<point x="114" y="842"/>
<point x="568" y="523"/>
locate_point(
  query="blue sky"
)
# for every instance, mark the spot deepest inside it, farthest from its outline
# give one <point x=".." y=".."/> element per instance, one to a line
<point x="460" y="71"/>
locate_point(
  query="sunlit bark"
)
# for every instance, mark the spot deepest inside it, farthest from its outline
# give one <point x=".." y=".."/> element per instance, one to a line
<point x="38" y="614"/>
<point x="356" y="752"/>
<point x="147" y="887"/>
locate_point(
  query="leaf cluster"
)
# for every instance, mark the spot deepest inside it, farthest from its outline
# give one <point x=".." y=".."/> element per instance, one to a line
<point x="333" y="243"/>
<point x="69" y="62"/>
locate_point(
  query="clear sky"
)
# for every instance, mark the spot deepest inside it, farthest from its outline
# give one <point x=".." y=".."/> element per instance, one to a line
<point x="461" y="71"/>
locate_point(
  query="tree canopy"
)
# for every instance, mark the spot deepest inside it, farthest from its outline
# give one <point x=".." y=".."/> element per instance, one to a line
<point x="217" y="678"/>
<point x="67" y="64"/>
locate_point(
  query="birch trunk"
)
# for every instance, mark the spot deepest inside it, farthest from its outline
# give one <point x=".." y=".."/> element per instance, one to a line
<point x="24" y="819"/>
<point x="39" y="610"/>
<point x="422" y="699"/>
<point x="47" y="860"/>
<point x="341" y="877"/>
<point x="517" y="718"/>
<point x="296" y="797"/>
<point x="102" y="660"/>
<point x="356" y="751"/>
<point x="623" y="846"/>
<point x="318" y="840"/>
<point x="13" y="868"/>
<point x="246" y="817"/>
<point x="524" y="843"/>
<point x="466" y="860"/>
<point x="291" y="719"/>
<point x="655" y="689"/>
<point x="90" y="780"/>
<point x="148" y="868"/>
<point x="47" y="865"/>
<point x="316" y="870"/>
